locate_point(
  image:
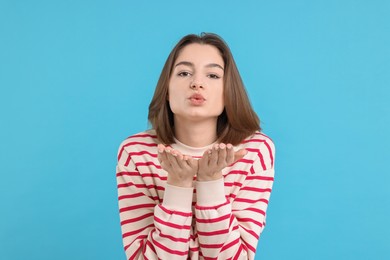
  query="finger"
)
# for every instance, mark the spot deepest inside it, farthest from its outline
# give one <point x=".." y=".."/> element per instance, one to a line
<point x="180" y="159"/>
<point x="171" y="156"/>
<point x="204" y="161"/>
<point x="229" y="154"/>
<point x="191" y="162"/>
<point x="161" y="156"/>
<point x="222" y="155"/>
<point x="160" y="151"/>
<point x="213" y="156"/>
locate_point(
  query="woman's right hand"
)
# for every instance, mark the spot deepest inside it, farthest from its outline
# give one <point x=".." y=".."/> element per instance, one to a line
<point x="181" y="168"/>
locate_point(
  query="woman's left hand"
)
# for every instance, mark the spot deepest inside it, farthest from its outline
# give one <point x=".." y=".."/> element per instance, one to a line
<point x="216" y="159"/>
<point x="181" y="168"/>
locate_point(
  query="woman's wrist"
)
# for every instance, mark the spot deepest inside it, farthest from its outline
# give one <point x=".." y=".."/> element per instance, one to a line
<point x="209" y="177"/>
<point x="180" y="183"/>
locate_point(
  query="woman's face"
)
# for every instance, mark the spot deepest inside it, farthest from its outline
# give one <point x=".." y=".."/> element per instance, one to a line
<point x="196" y="85"/>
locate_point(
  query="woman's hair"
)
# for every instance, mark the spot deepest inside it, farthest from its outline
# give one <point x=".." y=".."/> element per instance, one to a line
<point x="237" y="121"/>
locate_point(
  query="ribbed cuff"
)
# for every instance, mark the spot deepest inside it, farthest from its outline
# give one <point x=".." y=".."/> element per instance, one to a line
<point x="210" y="193"/>
<point x="178" y="198"/>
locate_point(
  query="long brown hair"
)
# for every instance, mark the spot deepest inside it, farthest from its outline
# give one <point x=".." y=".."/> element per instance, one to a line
<point x="238" y="119"/>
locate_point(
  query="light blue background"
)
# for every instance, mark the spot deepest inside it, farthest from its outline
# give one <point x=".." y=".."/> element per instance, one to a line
<point x="77" y="77"/>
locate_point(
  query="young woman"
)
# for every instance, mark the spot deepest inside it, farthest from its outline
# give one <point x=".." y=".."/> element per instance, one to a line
<point x="197" y="185"/>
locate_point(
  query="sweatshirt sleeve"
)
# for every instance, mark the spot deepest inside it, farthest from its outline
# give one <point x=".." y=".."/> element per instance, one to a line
<point x="150" y="229"/>
<point x="230" y="229"/>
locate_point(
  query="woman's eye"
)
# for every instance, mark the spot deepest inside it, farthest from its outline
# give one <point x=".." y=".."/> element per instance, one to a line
<point x="214" y="76"/>
<point x="184" y="74"/>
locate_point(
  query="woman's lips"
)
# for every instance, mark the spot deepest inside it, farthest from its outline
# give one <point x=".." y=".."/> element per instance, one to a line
<point x="197" y="99"/>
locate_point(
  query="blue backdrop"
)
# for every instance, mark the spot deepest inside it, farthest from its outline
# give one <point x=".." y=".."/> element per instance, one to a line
<point x="77" y="77"/>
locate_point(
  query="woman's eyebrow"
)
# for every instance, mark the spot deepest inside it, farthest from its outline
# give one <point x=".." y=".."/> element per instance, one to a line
<point x="213" y="65"/>
<point x="190" y="64"/>
<point x="186" y="63"/>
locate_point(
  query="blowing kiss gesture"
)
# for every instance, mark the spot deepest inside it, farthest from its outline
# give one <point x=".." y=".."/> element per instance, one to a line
<point x="183" y="168"/>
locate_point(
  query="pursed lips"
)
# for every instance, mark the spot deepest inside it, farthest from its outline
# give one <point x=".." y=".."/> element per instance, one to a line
<point x="197" y="97"/>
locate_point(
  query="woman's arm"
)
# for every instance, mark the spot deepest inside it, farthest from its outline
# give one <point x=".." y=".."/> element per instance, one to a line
<point x="150" y="229"/>
<point x="231" y="229"/>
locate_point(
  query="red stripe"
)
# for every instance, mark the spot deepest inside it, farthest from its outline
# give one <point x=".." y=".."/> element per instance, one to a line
<point x="135" y="143"/>
<point x="232" y="218"/>
<point x="210" y="245"/>
<point x="131" y="220"/>
<point x="140" y="143"/>
<point x="151" y="246"/>
<point x="127" y="160"/>
<point x="140" y="237"/>
<point x="250" y="201"/>
<point x="142" y="135"/>
<point x="250" y="220"/>
<point x="256" y="189"/>
<point x="266" y="144"/>
<point x="227" y="246"/>
<point x="174" y="239"/>
<point x="232" y="196"/>
<point x="139" y="206"/>
<point x="238" y="253"/>
<point x="136" y="195"/>
<point x="129" y="184"/>
<point x="131" y="196"/>
<point x="260" y="156"/>
<point x="260" y="178"/>
<point x="171" y="212"/>
<point x="194" y="249"/>
<point x="137" y="251"/>
<point x="262" y="161"/>
<point x="166" y="249"/>
<point x="254" y="210"/>
<point x="217" y="232"/>
<point x="213" y="220"/>
<point x="213" y="233"/>
<point x="172" y="225"/>
<point x="143" y="175"/>
<point x="249" y="246"/>
<point x="237" y="172"/>
<point x="254" y="234"/>
<point x="135" y="173"/>
<point x="231" y="184"/>
<point x="211" y="207"/>
<point x="270" y="154"/>
<point x="138" y="164"/>
<point x="136" y="231"/>
<point x="142" y="153"/>
<point x="245" y="160"/>
<point x="137" y="154"/>
<point x="154" y="175"/>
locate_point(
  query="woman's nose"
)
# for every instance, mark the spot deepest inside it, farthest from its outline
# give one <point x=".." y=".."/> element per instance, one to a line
<point x="196" y="84"/>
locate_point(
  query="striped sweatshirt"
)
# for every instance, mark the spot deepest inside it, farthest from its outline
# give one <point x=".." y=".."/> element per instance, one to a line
<point x="219" y="219"/>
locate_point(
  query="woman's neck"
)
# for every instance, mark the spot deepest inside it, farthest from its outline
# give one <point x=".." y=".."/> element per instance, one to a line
<point x="196" y="134"/>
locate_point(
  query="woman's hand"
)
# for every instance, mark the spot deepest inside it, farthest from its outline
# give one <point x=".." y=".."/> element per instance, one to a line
<point x="216" y="159"/>
<point x="181" y="168"/>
